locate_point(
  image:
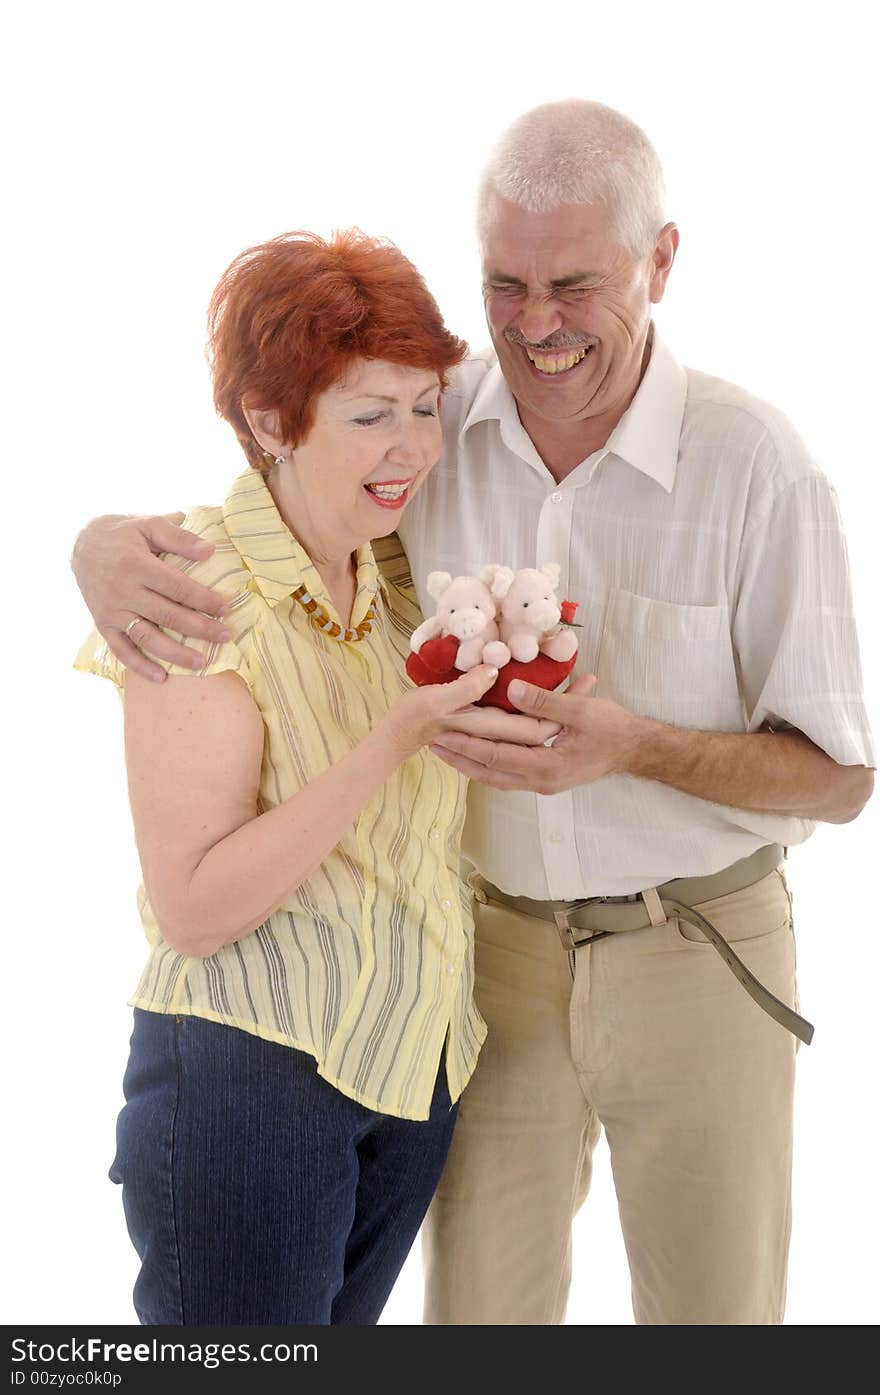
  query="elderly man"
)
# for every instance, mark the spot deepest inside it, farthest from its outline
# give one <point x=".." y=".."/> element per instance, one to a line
<point x="635" y="957"/>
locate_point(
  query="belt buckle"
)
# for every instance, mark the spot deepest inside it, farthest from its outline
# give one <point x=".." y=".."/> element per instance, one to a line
<point x="566" y="931"/>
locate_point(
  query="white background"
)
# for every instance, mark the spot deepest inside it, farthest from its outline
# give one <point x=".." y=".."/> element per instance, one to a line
<point x="148" y="146"/>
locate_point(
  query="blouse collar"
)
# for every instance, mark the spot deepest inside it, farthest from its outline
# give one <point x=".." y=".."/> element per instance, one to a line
<point x="279" y="563"/>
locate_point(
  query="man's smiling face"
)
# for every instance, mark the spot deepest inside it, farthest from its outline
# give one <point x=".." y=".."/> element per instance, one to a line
<point x="568" y="308"/>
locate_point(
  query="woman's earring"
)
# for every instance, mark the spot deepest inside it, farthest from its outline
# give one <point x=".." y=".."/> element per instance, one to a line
<point x="280" y="460"/>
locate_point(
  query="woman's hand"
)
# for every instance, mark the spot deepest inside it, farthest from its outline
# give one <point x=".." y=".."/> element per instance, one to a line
<point x="419" y="717"/>
<point x="117" y="569"/>
<point x="494" y="724"/>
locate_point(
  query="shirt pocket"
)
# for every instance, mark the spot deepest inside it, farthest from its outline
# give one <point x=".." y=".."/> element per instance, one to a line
<point x="674" y="663"/>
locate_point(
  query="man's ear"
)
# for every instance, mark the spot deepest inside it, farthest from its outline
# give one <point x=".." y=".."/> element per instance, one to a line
<point x="663" y="257"/>
<point x="265" y="429"/>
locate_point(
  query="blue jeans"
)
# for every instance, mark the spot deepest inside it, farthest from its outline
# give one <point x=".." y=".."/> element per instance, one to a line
<point x="256" y="1193"/>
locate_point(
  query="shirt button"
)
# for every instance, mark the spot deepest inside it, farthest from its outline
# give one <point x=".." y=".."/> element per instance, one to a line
<point x="446" y="904"/>
<point x="555" y="838"/>
<point x="434" y="834"/>
<point x="450" y="969"/>
<point x="557" y="498"/>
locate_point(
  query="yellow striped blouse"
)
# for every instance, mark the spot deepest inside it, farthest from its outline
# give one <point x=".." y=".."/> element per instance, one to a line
<point x="368" y="965"/>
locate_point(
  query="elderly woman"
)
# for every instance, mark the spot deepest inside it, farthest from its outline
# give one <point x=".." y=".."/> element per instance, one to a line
<point x="304" y="1025"/>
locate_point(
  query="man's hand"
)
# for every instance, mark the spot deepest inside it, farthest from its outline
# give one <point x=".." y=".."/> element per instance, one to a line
<point x="774" y="772"/>
<point x="122" y="580"/>
<point x="595" y="739"/>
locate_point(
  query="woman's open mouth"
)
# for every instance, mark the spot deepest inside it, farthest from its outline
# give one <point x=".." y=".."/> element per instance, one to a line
<point x="389" y="494"/>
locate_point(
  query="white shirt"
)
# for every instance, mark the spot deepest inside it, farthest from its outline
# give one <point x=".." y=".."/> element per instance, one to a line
<point x="705" y="549"/>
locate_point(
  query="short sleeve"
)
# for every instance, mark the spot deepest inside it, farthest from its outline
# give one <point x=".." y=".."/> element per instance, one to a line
<point x="95" y="656"/>
<point x="794" y="630"/>
<point x="221" y="658"/>
<point x="222" y="571"/>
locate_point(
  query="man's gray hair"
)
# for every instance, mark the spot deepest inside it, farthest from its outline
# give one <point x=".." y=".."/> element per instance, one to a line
<point x="578" y="152"/>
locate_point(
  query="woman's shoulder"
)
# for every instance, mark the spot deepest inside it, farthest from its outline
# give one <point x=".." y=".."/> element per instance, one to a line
<point x="207" y="521"/>
<point x="224" y="570"/>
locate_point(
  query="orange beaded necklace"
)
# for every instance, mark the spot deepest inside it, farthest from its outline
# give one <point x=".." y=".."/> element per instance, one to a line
<point x="322" y="621"/>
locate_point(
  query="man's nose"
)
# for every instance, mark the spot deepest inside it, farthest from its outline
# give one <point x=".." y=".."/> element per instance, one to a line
<point x="538" y="319"/>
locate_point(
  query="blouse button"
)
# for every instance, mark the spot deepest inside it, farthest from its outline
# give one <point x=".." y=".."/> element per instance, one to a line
<point x="557" y="498"/>
<point x="446" y="904"/>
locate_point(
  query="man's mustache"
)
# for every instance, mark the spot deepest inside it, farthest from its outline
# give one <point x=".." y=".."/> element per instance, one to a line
<point x="555" y="341"/>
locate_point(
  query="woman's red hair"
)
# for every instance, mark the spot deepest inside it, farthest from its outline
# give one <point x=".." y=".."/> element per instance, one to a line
<point x="291" y="315"/>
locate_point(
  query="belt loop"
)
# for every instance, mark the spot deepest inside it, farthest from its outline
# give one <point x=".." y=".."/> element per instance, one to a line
<point x="473" y="881"/>
<point x="654" y="906"/>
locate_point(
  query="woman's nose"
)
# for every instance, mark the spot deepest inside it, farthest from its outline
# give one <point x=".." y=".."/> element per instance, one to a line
<point x="410" y="446"/>
<point x="404" y="452"/>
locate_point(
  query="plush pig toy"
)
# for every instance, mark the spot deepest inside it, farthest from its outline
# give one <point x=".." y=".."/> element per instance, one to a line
<point x="465" y="609"/>
<point x="465" y="632"/>
<point x="530" y="614"/>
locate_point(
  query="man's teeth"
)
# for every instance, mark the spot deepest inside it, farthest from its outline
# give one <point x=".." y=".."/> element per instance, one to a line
<point x="556" y="363"/>
<point x="388" y="491"/>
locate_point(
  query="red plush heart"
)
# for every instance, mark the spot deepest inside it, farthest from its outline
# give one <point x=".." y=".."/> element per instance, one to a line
<point x="435" y="663"/>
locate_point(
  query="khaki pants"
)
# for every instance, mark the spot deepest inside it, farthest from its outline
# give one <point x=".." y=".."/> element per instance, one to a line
<point x="648" y="1035"/>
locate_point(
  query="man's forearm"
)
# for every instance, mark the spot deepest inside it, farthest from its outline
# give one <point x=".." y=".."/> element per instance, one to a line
<point x="771" y="772"/>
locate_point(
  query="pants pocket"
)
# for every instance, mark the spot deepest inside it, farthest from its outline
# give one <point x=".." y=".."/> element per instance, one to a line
<point x="143" y="1165"/>
<point x="754" y="913"/>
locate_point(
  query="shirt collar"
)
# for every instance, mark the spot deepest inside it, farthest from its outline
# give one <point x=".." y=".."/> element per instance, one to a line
<point x="646" y="437"/>
<point x="279" y="563"/>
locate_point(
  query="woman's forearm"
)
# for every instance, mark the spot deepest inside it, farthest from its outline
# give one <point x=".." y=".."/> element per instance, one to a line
<point x="214" y="868"/>
<point x="244" y="877"/>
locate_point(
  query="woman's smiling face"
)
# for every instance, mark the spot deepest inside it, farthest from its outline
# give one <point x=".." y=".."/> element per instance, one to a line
<point x="375" y="436"/>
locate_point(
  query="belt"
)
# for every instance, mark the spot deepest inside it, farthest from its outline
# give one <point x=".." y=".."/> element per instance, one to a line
<point x="581" y="922"/>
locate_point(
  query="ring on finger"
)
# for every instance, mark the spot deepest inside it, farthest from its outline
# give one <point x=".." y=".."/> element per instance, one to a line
<point x="136" y="620"/>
